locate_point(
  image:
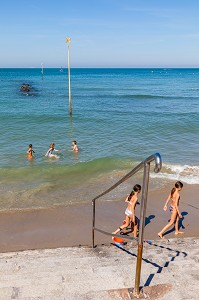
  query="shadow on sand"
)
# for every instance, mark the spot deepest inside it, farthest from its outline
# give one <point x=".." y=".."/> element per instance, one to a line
<point x="130" y="228"/>
<point x="184" y="213"/>
<point x="176" y="253"/>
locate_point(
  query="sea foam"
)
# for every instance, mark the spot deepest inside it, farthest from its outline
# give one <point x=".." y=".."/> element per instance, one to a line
<point x="185" y="173"/>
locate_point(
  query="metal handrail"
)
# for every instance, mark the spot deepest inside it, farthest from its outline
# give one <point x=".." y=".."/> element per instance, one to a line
<point x="146" y="165"/>
<point x="157" y="168"/>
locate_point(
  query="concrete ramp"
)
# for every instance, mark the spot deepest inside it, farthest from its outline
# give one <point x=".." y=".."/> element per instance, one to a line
<point x="169" y="271"/>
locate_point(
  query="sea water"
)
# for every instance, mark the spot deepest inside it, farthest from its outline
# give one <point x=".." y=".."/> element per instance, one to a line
<point x="119" y="118"/>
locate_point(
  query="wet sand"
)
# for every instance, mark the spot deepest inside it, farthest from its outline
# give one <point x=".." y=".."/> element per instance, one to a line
<point x="72" y="225"/>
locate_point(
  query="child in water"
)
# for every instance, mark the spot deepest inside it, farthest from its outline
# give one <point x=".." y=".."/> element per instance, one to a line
<point x="30" y="151"/>
<point x="74" y="147"/>
<point x="174" y="209"/>
<point x="132" y="200"/>
<point x="49" y="153"/>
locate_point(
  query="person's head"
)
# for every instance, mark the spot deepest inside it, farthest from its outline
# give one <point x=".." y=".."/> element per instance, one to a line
<point x="30" y="145"/>
<point x="136" y="189"/>
<point x="74" y="142"/>
<point x="52" y="145"/>
<point x="178" y="186"/>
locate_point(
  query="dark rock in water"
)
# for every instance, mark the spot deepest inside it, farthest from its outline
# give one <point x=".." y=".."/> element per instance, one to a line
<point x="25" y="87"/>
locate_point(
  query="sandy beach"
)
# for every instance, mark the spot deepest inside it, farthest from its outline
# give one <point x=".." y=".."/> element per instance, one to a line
<point x="57" y="250"/>
<point x="169" y="271"/>
<point x="72" y="225"/>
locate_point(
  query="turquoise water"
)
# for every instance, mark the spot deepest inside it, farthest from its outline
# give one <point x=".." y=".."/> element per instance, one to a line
<point x="120" y="117"/>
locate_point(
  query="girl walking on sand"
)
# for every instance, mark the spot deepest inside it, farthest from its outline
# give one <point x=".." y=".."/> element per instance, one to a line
<point x="130" y="211"/>
<point x="174" y="209"/>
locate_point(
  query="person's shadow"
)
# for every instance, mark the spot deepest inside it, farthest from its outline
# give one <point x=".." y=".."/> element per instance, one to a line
<point x="148" y="219"/>
<point x="130" y="228"/>
<point x="184" y="213"/>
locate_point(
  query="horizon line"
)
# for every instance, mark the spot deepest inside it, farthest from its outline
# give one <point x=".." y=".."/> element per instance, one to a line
<point x="100" y="67"/>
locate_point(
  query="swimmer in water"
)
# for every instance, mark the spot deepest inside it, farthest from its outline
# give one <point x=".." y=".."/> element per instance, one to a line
<point x="74" y="147"/>
<point x="30" y="151"/>
<point x="174" y="197"/>
<point x="49" y="153"/>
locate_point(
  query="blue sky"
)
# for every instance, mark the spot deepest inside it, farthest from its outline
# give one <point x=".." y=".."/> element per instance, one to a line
<point x="104" y="33"/>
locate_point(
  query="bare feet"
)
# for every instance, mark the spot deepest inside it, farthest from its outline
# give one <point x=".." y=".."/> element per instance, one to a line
<point x="118" y="230"/>
<point x="179" y="232"/>
<point x="160" y="235"/>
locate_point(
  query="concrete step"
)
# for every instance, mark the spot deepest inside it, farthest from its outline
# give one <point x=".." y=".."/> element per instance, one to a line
<point x="78" y="273"/>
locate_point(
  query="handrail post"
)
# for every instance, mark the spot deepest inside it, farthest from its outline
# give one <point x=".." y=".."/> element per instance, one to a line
<point x="93" y="228"/>
<point x="141" y="228"/>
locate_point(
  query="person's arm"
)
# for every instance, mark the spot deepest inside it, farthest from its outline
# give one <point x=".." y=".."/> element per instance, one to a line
<point x="127" y="199"/>
<point x="176" y="205"/>
<point x="165" y="206"/>
<point x="133" y="210"/>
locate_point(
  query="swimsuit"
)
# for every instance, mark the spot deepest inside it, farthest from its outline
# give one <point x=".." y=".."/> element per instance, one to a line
<point x="49" y="153"/>
<point x="171" y="208"/>
<point x="128" y="212"/>
<point x="30" y="155"/>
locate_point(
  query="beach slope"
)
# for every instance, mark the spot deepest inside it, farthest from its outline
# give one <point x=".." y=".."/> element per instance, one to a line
<point x="169" y="271"/>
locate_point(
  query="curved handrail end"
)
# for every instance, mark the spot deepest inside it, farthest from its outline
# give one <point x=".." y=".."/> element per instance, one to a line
<point x="158" y="162"/>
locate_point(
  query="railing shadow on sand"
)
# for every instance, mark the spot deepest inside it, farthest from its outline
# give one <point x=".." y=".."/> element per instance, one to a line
<point x="154" y="264"/>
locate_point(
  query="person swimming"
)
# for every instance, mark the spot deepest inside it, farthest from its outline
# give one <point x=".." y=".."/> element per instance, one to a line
<point x="74" y="147"/>
<point x="30" y="151"/>
<point x="50" y="153"/>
